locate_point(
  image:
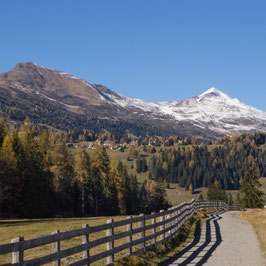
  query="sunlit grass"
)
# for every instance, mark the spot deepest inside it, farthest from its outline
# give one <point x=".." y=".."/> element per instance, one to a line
<point x="258" y="220"/>
<point x="35" y="228"/>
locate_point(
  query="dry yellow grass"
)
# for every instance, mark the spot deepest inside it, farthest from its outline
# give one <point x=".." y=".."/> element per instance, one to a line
<point x="33" y="228"/>
<point x="258" y="220"/>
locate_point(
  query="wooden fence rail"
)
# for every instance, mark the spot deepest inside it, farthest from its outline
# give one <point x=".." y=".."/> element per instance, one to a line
<point x="161" y="226"/>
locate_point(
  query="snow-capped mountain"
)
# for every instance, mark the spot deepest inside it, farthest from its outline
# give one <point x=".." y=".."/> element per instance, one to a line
<point x="212" y="109"/>
<point x="58" y="98"/>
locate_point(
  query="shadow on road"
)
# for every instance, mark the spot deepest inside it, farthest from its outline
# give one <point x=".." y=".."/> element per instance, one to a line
<point x="201" y="248"/>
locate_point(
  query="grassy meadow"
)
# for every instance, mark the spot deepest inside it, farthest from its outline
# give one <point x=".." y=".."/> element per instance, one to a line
<point x="34" y="228"/>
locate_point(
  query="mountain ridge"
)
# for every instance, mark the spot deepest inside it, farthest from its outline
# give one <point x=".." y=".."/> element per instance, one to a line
<point x="211" y="114"/>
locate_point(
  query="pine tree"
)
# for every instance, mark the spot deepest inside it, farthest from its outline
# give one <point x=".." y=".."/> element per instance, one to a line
<point x="238" y="199"/>
<point x="249" y="193"/>
<point x="230" y="199"/>
<point x="144" y="201"/>
<point x="200" y="197"/>
<point x="215" y="192"/>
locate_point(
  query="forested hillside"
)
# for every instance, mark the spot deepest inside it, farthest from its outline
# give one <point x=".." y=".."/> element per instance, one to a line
<point x="41" y="177"/>
<point x="197" y="165"/>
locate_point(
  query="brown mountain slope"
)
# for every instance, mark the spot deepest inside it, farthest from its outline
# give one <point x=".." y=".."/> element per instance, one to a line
<point x="61" y="100"/>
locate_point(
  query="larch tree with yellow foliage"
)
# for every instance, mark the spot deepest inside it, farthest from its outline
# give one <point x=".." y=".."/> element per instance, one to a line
<point x="82" y="171"/>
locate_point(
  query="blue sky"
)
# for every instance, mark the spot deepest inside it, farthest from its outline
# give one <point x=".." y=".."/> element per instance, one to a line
<point x="153" y="50"/>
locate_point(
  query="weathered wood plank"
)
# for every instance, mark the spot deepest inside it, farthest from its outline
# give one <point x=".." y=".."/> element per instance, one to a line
<point x="162" y="222"/>
<point x="110" y="244"/>
<point x="85" y="240"/>
<point x="129" y="239"/>
<point x="17" y="256"/>
<point x="142" y="232"/>
<point x="153" y="230"/>
<point x="56" y="249"/>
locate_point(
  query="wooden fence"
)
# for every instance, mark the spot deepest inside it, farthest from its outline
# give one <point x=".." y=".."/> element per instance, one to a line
<point x="148" y="230"/>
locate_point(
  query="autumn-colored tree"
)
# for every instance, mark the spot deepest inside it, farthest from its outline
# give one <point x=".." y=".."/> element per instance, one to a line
<point x="63" y="173"/>
<point x="82" y="171"/>
<point x="191" y="189"/>
<point x="3" y="131"/>
<point x="102" y="182"/>
<point x="9" y="185"/>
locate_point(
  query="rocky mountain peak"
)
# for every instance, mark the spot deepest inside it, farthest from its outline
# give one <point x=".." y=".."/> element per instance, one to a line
<point x="213" y="92"/>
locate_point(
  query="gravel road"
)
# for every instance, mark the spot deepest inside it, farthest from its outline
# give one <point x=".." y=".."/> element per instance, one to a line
<point x="225" y="240"/>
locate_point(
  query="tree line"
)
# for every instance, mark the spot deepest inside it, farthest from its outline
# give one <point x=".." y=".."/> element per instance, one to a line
<point x="200" y="166"/>
<point x="41" y="177"/>
<point x="249" y="195"/>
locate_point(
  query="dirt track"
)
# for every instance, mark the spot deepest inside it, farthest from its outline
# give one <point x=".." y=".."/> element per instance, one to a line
<point x="225" y="240"/>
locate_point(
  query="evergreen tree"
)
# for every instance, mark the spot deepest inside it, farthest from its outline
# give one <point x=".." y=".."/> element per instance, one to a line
<point x="250" y="194"/>
<point x="200" y="197"/>
<point x="144" y="201"/>
<point x="238" y="199"/>
<point x="215" y="192"/>
<point x="230" y="199"/>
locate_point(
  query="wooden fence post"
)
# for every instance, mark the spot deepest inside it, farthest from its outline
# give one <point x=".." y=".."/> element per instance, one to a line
<point x="55" y="249"/>
<point x="142" y="233"/>
<point x="85" y="240"/>
<point x="17" y="256"/>
<point x="153" y="230"/>
<point x="185" y="214"/>
<point x="129" y="238"/>
<point x="162" y="226"/>
<point x="178" y="219"/>
<point x="110" y="245"/>
<point x="169" y="223"/>
<point x="173" y="221"/>
<point x="182" y="215"/>
<point x="193" y="209"/>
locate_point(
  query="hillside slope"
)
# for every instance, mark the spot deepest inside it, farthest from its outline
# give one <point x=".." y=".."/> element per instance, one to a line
<point x="61" y="100"/>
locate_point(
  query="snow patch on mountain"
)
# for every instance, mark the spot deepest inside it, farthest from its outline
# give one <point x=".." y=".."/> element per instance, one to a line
<point x="213" y="109"/>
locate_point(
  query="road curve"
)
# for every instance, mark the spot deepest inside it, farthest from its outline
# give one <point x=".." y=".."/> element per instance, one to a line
<point x="225" y="240"/>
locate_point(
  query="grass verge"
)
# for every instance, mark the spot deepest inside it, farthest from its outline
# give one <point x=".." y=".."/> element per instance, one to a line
<point x="163" y="252"/>
<point x="258" y="220"/>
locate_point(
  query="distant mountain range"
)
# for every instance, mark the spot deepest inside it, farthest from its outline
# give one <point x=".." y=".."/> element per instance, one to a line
<point x="60" y="100"/>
